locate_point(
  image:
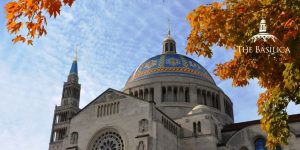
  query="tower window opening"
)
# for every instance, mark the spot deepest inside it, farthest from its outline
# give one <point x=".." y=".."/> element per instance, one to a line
<point x="166" y="47"/>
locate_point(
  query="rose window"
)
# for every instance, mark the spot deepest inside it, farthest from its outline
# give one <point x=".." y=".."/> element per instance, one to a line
<point x="108" y="141"/>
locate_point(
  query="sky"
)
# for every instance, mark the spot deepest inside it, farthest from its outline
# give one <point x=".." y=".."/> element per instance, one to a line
<point x="113" y="38"/>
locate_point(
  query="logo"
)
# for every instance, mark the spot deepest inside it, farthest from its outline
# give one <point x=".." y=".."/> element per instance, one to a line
<point x="263" y="36"/>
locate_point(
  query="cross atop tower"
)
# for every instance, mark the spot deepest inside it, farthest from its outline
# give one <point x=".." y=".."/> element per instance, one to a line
<point x="75" y="56"/>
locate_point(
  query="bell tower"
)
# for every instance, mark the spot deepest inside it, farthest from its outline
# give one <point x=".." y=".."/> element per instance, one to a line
<point x="68" y="107"/>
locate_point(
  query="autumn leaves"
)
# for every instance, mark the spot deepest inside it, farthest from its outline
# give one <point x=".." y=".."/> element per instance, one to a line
<point x="30" y="15"/>
<point x="230" y="24"/>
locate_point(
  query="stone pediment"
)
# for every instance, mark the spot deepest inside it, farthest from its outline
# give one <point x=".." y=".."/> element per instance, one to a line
<point x="109" y="95"/>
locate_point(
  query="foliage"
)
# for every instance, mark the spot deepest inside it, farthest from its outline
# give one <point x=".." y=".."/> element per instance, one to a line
<point x="30" y="14"/>
<point x="230" y="24"/>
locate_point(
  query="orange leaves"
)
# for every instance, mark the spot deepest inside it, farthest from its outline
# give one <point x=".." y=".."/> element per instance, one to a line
<point x="31" y="13"/>
<point x="12" y="7"/>
<point x="19" y="38"/>
<point x="14" y="27"/>
<point x="54" y="8"/>
<point x="208" y="23"/>
<point x="234" y="70"/>
<point x="231" y="24"/>
<point x="68" y="2"/>
<point x="29" y="42"/>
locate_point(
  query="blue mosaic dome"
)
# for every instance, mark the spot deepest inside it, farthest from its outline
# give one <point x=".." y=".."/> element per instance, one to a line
<point x="170" y="64"/>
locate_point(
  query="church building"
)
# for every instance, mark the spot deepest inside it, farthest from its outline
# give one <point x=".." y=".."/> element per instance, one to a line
<point x="170" y="102"/>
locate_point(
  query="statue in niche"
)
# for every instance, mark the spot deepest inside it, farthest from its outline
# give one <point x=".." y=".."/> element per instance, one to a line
<point x="143" y="125"/>
<point x="141" y="146"/>
<point x="74" y="138"/>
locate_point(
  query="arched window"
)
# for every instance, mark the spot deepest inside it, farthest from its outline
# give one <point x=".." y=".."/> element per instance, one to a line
<point x="136" y="93"/>
<point x="108" y="139"/>
<point x="175" y="94"/>
<point x="163" y="93"/>
<point x="260" y="144"/>
<point x="65" y="102"/>
<point x="216" y="131"/>
<point x="151" y="94"/>
<point x="131" y="93"/>
<point x="199" y="126"/>
<point x="204" y="97"/>
<point x="209" y="98"/>
<point x="218" y="101"/>
<point x="187" y="95"/>
<point x="146" y="94"/>
<point x="199" y="96"/>
<point x="243" y="148"/>
<point x="169" y="94"/>
<point x="74" y="138"/>
<point x="141" y="94"/>
<point x="65" y="93"/>
<point x="194" y="128"/>
<point x="181" y="94"/>
<point x="213" y="100"/>
<point x="171" y="47"/>
<point x="166" y="47"/>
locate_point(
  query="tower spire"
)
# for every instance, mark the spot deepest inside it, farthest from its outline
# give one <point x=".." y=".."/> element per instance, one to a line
<point x="73" y="75"/>
<point x="68" y="107"/>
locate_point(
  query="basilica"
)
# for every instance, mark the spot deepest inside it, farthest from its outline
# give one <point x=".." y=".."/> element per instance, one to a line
<point x="170" y="102"/>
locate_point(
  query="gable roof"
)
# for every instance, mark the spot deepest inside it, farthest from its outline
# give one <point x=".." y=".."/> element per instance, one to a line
<point x="109" y="90"/>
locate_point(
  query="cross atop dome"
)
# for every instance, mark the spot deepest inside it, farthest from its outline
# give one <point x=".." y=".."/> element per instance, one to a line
<point x="169" y="44"/>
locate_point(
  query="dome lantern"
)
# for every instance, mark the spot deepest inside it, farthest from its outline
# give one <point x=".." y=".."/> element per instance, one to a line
<point x="169" y="44"/>
<point x="262" y="26"/>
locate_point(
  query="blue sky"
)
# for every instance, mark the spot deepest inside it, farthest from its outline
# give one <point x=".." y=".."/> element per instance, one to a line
<point x="113" y="38"/>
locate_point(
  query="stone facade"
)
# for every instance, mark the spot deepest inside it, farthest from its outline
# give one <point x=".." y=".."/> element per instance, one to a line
<point x="169" y="103"/>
